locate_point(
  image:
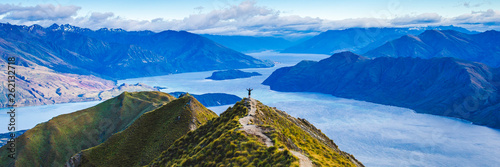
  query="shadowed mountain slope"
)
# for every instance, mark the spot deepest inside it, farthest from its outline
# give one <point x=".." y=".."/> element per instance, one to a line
<point x="440" y="86"/>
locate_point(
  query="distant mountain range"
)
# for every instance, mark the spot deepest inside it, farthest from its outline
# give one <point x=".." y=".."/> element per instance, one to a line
<point x="118" y="54"/>
<point x="357" y="40"/>
<point x="441" y="86"/>
<point x="248" y="44"/>
<point x="482" y="47"/>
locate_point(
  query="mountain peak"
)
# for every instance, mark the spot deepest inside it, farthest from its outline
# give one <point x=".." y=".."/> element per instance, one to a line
<point x="430" y="36"/>
<point x="344" y="57"/>
<point x="433" y="33"/>
<point x="35" y="27"/>
<point x="410" y="37"/>
<point x="67" y="27"/>
<point x="250" y="133"/>
<point x="491" y="33"/>
<point x="481" y="47"/>
<point x="348" y="54"/>
<point x="111" y="30"/>
<point x="54" y="27"/>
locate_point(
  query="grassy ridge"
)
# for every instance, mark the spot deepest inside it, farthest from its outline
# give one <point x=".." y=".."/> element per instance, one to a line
<point x="52" y="143"/>
<point x="300" y="135"/>
<point x="155" y="129"/>
<point x="149" y="135"/>
<point x="221" y="143"/>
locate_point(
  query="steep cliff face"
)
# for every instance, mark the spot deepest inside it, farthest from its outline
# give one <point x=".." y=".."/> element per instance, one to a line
<point x="250" y="133"/>
<point x="52" y="143"/>
<point x="441" y="86"/>
<point x="482" y="47"/>
<point x="152" y="133"/>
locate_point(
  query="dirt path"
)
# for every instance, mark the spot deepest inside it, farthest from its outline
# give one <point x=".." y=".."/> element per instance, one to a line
<point x="303" y="160"/>
<point x="254" y="129"/>
<point x="247" y="121"/>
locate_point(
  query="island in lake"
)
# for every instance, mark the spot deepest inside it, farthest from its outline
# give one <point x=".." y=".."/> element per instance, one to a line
<point x="231" y="74"/>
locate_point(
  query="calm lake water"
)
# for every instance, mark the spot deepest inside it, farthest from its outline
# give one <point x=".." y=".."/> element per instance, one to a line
<point x="29" y="117"/>
<point x="377" y="135"/>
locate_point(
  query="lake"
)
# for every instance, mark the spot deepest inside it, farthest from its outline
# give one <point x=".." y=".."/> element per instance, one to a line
<point x="29" y="117"/>
<point x="377" y="135"/>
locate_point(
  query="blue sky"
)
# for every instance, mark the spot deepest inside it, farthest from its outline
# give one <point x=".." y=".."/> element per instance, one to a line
<point x="252" y="17"/>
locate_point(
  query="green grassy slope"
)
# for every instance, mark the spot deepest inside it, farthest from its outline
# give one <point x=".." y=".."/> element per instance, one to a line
<point x="148" y="136"/>
<point x="300" y="135"/>
<point x="52" y="143"/>
<point x="221" y="142"/>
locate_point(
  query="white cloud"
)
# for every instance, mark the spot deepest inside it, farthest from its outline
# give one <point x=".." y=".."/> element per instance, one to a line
<point x="475" y="5"/>
<point x="425" y="18"/>
<point x="246" y="18"/>
<point x="99" y="17"/>
<point x="478" y="20"/>
<point x="360" y="22"/>
<point x="38" y="12"/>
